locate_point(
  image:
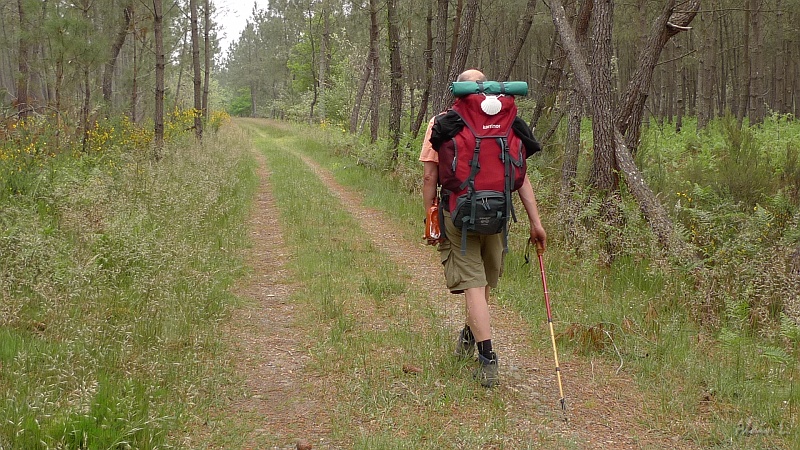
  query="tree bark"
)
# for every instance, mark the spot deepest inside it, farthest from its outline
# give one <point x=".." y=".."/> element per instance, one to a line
<point x="779" y="83"/>
<point x="569" y="165"/>
<point x="87" y="88"/>
<point x="207" y="50"/>
<point x="568" y="208"/>
<point x="574" y="54"/>
<point x="314" y="75"/>
<point x="439" y="91"/>
<point x="158" y="118"/>
<point x="757" y="110"/>
<point x="362" y="87"/>
<point x="602" y="175"/>
<point x="375" y="62"/>
<point x="116" y="47"/>
<point x="551" y="80"/>
<point x="184" y="45"/>
<point x="669" y="23"/>
<point x="681" y="91"/>
<point x="324" y="52"/>
<point x="423" y="107"/>
<point x="744" y="75"/>
<point x="396" y="76"/>
<point x="135" y="71"/>
<point x="706" y="76"/>
<point x="464" y="41"/>
<point x="197" y="80"/>
<point x="456" y="31"/>
<point x="651" y="208"/>
<point x="37" y="83"/>
<point x="22" y="56"/>
<point x="575" y="101"/>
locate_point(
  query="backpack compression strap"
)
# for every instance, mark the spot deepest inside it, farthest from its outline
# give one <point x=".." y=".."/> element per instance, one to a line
<point x="469" y="183"/>
<point x="509" y="182"/>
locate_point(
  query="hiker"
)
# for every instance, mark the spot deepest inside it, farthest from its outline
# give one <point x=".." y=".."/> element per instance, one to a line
<point x="475" y="268"/>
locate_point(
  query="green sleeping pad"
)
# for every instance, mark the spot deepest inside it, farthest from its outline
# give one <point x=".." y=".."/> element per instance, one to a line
<point x="462" y="88"/>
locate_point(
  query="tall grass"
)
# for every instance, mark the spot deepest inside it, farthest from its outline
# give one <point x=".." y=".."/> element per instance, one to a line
<point x="114" y="276"/>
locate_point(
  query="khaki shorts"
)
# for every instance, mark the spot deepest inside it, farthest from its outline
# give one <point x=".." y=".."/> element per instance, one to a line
<point x="481" y="266"/>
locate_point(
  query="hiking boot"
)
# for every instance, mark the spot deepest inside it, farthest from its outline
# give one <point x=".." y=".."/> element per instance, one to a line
<point x="465" y="345"/>
<point x="487" y="373"/>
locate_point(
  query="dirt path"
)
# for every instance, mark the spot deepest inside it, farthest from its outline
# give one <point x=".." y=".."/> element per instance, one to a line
<point x="605" y="409"/>
<point x="276" y="394"/>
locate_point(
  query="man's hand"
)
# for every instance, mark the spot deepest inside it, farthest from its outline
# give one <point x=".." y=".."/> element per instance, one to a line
<point x="539" y="237"/>
<point x="433" y="241"/>
<point x="430" y="240"/>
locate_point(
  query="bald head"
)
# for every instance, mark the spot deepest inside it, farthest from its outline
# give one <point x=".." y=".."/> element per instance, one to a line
<point x="471" y="75"/>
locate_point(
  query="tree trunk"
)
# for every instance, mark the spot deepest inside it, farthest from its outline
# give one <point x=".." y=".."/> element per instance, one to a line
<point x="781" y="63"/>
<point x="464" y="40"/>
<point x="680" y="102"/>
<point x="184" y="45"/>
<point x="197" y="78"/>
<point x="551" y="80"/>
<point x="375" y="62"/>
<point x="722" y="104"/>
<point x="575" y="101"/>
<point x="324" y="53"/>
<point x="158" y="118"/>
<point x="135" y="71"/>
<point x="651" y="208"/>
<point x="706" y="65"/>
<point x="207" y="50"/>
<point x="744" y="75"/>
<point x="568" y="209"/>
<point x="22" y="56"/>
<point x="423" y="107"/>
<point x="87" y="94"/>
<point x="116" y="47"/>
<point x="523" y="28"/>
<point x="569" y="165"/>
<point x="314" y="75"/>
<point x="87" y="88"/>
<point x="396" y="103"/>
<point x="456" y="31"/>
<point x="362" y="87"/>
<point x="439" y="92"/>
<point x="669" y="110"/>
<point x="757" y="109"/>
<point x="668" y="24"/>
<point x="602" y="175"/>
<point x="37" y="89"/>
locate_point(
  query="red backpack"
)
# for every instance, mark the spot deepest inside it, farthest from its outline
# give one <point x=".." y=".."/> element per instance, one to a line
<point x="481" y="165"/>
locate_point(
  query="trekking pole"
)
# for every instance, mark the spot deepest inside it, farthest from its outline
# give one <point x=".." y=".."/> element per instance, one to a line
<point x="552" y="334"/>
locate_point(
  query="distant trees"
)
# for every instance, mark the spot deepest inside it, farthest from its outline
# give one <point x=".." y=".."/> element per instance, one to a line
<point x="646" y="60"/>
<point x="83" y="60"/>
<point x="727" y="60"/>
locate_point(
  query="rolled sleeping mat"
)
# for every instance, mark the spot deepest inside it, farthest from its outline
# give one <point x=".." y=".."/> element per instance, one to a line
<point x="462" y="88"/>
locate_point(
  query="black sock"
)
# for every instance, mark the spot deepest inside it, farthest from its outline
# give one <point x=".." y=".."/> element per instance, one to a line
<point x="485" y="349"/>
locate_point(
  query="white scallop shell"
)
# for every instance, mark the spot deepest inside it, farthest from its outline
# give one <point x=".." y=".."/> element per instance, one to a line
<point x="491" y="105"/>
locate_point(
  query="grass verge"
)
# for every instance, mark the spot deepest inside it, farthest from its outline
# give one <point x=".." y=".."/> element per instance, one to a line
<point x="114" y="277"/>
